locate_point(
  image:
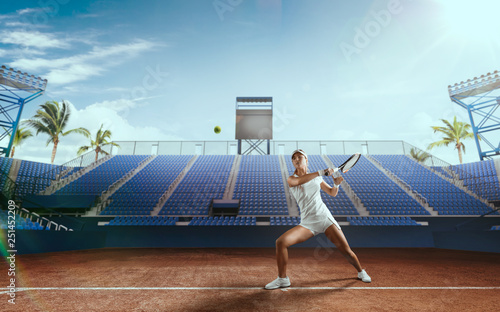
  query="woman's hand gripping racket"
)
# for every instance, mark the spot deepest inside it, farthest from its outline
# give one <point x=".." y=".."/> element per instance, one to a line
<point x="346" y="166"/>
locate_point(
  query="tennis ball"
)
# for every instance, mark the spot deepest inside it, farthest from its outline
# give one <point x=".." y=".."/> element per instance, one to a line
<point x="217" y="129"/>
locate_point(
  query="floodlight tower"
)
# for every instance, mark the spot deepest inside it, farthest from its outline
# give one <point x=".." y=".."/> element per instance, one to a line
<point x="481" y="97"/>
<point x="16" y="89"/>
<point x="254" y="123"/>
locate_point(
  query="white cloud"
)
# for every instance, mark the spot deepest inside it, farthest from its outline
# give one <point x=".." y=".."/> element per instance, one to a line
<point x="28" y="11"/>
<point x="24" y="52"/>
<point x="63" y="91"/>
<point x="97" y="54"/>
<point x="73" y="73"/>
<point x="120" y="105"/>
<point x="25" y="25"/>
<point x="32" y="39"/>
<point x="83" y="66"/>
<point x="113" y="114"/>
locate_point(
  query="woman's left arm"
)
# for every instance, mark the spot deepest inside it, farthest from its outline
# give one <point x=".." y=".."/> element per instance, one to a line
<point x="332" y="191"/>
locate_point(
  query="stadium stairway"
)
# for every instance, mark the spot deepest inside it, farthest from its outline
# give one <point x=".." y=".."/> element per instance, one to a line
<point x="496" y="163"/>
<point x="119" y="183"/>
<point x="103" y="199"/>
<point x="452" y="173"/>
<point x="163" y="199"/>
<point x="14" y="169"/>
<point x="59" y="184"/>
<point x="414" y="194"/>
<point x="293" y="209"/>
<point x="64" y="172"/>
<point x="358" y="204"/>
<point x="231" y="182"/>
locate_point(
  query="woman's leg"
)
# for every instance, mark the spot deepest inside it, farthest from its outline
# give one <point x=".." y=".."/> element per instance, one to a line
<point x="291" y="237"/>
<point x="337" y="237"/>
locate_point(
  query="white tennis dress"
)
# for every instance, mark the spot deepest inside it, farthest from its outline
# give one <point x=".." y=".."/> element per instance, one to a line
<point x="315" y="216"/>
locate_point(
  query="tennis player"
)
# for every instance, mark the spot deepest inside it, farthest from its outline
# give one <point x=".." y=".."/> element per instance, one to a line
<point x="315" y="218"/>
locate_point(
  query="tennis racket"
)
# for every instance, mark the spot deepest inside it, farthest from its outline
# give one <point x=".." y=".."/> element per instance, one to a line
<point x="348" y="164"/>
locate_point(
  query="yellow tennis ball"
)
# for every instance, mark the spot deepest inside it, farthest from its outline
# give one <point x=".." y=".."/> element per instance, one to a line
<point x="217" y="129"/>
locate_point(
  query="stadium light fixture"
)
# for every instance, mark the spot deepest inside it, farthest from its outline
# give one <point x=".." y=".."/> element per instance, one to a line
<point x="21" y="81"/>
<point x="481" y="99"/>
<point x="13" y="88"/>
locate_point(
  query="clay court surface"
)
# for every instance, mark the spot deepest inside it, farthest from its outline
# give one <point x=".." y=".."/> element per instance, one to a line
<point x="175" y="279"/>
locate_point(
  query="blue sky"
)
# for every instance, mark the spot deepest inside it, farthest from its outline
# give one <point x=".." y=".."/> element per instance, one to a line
<point x="171" y="70"/>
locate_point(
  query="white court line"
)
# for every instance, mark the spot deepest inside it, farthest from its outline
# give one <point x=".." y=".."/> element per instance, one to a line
<point x="249" y="288"/>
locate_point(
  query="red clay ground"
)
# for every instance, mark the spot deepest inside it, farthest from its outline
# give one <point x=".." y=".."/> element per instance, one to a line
<point x="244" y="272"/>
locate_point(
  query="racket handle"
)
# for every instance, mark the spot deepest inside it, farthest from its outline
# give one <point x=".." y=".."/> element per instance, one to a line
<point x="325" y="172"/>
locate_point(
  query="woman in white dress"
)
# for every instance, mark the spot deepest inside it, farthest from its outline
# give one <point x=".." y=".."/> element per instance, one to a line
<point x="315" y="218"/>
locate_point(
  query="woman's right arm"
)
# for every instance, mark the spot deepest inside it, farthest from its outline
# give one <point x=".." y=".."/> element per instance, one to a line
<point x="294" y="181"/>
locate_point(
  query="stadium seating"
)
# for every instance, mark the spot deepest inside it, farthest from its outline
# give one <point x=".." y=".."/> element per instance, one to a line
<point x="206" y="180"/>
<point x="260" y="187"/>
<point x="379" y="194"/>
<point x="143" y="221"/>
<point x="21" y="223"/>
<point x="99" y="179"/>
<point x="481" y="178"/>
<point x="382" y="221"/>
<point x="292" y="221"/>
<point x="141" y="193"/>
<point x="34" y="177"/>
<point x="70" y="172"/>
<point x="5" y="164"/>
<point x="223" y="221"/>
<point x="443" y="171"/>
<point x="443" y="196"/>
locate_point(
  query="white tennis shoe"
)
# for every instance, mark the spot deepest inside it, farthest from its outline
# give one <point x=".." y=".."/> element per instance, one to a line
<point x="364" y="276"/>
<point x="279" y="283"/>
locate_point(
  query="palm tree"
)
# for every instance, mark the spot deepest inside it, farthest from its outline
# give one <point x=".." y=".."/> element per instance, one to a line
<point x="99" y="142"/>
<point x="419" y="156"/>
<point x="52" y="119"/>
<point x="453" y="134"/>
<point x="21" y="135"/>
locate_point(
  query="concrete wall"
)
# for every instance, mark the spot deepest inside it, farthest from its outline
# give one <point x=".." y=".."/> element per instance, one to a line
<point x="444" y="236"/>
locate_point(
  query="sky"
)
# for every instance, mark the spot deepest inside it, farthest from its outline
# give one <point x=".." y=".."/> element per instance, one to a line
<point x="171" y="70"/>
